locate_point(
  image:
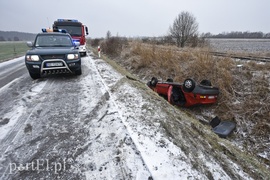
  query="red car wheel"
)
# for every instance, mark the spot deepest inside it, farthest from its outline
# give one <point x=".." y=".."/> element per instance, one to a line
<point x="153" y="81"/>
<point x="189" y="85"/>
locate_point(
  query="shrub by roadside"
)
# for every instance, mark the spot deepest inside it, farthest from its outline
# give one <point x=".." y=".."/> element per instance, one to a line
<point x="112" y="46"/>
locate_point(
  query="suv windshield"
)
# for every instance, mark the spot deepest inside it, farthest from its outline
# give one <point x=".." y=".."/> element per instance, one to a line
<point x="48" y="40"/>
<point x="72" y="30"/>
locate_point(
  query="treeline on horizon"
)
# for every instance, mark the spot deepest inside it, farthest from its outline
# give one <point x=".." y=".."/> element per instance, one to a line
<point x="16" y="36"/>
<point x="238" y="34"/>
<point x="22" y="36"/>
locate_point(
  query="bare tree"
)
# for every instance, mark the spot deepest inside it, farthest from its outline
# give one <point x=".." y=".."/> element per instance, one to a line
<point x="108" y="35"/>
<point x="184" y="27"/>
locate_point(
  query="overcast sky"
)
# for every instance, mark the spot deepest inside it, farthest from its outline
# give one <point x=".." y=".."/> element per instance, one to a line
<point x="132" y="18"/>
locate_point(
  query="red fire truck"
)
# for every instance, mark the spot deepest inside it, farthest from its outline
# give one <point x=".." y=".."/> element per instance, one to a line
<point x="76" y="29"/>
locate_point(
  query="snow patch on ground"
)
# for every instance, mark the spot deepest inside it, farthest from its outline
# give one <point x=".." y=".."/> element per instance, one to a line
<point x="12" y="116"/>
<point x="4" y="88"/>
<point x="17" y="110"/>
<point x="164" y="159"/>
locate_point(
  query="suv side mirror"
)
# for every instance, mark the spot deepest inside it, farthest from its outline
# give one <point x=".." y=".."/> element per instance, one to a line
<point x="86" y="30"/>
<point x="29" y="44"/>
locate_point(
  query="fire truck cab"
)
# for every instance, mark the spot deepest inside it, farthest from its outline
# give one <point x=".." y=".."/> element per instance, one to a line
<point x="76" y="29"/>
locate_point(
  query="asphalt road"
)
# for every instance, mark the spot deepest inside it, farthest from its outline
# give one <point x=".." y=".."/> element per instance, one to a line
<point x="62" y="127"/>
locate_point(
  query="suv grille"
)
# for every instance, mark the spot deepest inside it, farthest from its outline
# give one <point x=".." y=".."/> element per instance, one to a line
<point x="57" y="56"/>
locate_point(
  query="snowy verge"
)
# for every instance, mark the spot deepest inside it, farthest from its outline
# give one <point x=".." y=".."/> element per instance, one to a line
<point x="158" y="153"/>
<point x="172" y="144"/>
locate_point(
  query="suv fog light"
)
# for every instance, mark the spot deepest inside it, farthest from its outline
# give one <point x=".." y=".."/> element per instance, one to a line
<point x="71" y="64"/>
<point x="36" y="66"/>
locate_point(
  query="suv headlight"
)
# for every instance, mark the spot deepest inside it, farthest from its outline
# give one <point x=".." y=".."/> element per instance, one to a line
<point x="72" y="56"/>
<point x="32" y="58"/>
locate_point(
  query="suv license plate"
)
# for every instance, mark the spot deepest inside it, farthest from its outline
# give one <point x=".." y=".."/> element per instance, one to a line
<point x="54" y="64"/>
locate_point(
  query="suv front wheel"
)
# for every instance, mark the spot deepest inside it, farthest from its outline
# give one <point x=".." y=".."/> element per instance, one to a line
<point x="78" y="72"/>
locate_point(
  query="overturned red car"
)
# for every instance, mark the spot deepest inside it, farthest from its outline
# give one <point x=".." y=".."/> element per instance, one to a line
<point x="185" y="94"/>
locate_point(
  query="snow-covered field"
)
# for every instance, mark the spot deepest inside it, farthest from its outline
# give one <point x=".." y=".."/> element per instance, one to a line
<point x="241" y="45"/>
<point x="102" y="125"/>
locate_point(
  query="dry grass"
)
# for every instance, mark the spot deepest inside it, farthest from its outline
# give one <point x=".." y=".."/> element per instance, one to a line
<point x="244" y="92"/>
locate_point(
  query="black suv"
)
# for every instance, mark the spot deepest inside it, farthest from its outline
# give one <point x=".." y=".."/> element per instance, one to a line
<point x="53" y="53"/>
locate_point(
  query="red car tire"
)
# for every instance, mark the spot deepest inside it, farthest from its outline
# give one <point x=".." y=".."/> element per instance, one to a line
<point x="153" y="82"/>
<point x="206" y="82"/>
<point x="189" y="85"/>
